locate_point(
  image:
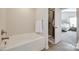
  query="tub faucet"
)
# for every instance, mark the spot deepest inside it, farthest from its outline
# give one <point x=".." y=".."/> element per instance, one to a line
<point x="5" y="38"/>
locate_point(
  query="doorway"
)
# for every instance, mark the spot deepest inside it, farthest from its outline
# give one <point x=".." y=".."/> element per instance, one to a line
<point x="54" y="28"/>
<point x="62" y="29"/>
<point x="69" y="25"/>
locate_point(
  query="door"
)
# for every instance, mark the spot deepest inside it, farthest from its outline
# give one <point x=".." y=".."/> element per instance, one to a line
<point x="57" y="25"/>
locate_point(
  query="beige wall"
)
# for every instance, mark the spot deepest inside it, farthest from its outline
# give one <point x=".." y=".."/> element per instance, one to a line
<point x="20" y="21"/>
<point x="2" y="18"/>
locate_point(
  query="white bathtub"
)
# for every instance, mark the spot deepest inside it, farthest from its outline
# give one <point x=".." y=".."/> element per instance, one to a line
<point x="25" y="42"/>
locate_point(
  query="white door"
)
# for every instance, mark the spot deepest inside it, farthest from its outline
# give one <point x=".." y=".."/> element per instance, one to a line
<point x="57" y="25"/>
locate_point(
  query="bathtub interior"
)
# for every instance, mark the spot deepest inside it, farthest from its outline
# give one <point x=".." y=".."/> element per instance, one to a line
<point x="21" y="39"/>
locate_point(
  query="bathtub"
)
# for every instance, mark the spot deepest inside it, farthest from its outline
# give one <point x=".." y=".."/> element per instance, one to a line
<point x="25" y="42"/>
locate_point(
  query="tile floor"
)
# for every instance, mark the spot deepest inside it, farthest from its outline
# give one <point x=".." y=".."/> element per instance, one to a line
<point x="68" y="43"/>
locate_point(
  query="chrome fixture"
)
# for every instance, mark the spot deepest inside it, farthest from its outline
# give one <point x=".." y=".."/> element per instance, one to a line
<point x="2" y="32"/>
<point x="5" y="38"/>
